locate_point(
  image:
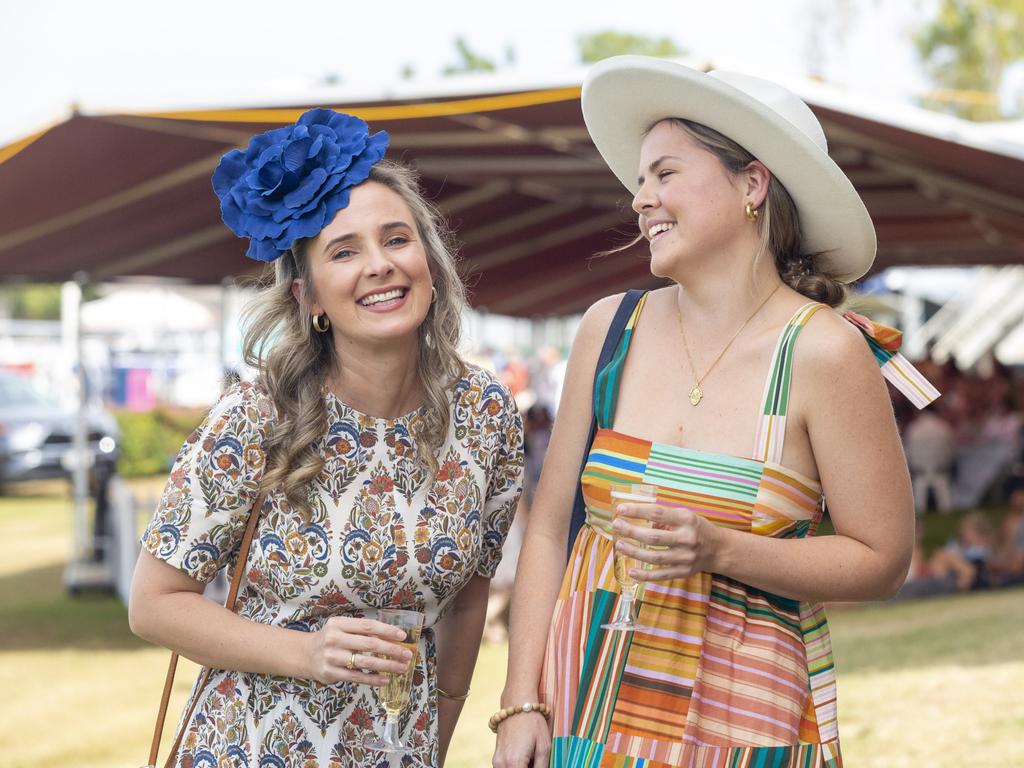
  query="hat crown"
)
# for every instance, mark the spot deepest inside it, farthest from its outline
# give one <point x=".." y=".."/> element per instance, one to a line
<point x="780" y="100"/>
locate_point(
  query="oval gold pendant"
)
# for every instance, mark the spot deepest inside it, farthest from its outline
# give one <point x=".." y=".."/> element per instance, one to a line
<point x="695" y="395"/>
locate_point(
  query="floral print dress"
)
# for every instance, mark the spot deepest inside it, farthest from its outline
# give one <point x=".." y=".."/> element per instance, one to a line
<point x="381" y="534"/>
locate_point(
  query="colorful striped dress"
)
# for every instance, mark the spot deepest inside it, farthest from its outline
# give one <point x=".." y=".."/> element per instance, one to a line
<point x="723" y="675"/>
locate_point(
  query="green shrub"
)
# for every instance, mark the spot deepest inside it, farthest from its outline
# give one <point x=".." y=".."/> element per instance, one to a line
<point x="151" y="439"/>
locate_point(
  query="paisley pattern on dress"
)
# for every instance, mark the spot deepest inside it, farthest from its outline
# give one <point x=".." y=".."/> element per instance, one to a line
<point x="381" y="533"/>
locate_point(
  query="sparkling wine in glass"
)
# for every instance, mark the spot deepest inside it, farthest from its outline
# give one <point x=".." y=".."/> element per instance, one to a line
<point x="625" y="618"/>
<point x="394" y="694"/>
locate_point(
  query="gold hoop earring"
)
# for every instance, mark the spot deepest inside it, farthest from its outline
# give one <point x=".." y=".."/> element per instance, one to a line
<point x="321" y="323"/>
<point x="433" y="294"/>
<point x="751" y="212"/>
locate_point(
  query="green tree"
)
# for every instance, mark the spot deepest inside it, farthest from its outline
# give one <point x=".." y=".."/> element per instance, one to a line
<point x="38" y="301"/>
<point x="600" y="45"/>
<point x="469" y="60"/>
<point x="34" y="301"/>
<point x="965" y="49"/>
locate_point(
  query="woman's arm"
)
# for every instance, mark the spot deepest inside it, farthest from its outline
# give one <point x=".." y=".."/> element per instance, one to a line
<point x="524" y="739"/>
<point x="167" y="607"/>
<point x="204" y="509"/>
<point x="848" y="419"/>
<point x="458" y="642"/>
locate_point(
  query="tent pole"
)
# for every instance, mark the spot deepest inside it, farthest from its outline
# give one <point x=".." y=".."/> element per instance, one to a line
<point x="83" y="571"/>
<point x="71" y="331"/>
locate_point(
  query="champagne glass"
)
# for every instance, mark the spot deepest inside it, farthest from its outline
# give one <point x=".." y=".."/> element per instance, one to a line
<point x="394" y="694"/>
<point x="625" y="618"/>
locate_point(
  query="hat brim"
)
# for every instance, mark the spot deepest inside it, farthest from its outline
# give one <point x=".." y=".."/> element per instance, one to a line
<point x="624" y="96"/>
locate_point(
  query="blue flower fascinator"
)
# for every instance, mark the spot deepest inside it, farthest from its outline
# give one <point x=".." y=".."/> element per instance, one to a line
<point x="290" y="182"/>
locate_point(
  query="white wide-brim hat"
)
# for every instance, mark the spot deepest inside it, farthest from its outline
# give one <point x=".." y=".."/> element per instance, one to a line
<point x="624" y="96"/>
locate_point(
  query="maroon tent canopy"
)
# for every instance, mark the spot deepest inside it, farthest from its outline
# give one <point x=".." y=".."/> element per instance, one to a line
<point x="515" y="172"/>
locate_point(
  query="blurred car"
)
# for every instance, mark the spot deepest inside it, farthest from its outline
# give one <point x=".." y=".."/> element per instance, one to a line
<point x="36" y="435"/>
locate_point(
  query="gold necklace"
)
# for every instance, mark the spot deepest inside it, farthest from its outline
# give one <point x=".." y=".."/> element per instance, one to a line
<point x="696" y="394"/>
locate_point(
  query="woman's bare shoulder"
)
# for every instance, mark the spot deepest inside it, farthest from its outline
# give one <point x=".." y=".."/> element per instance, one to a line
<point x="836" y="359"/>
<point x="595" y="323"/>
<point x="601" y="311"/>
<point x="831" y="340"/>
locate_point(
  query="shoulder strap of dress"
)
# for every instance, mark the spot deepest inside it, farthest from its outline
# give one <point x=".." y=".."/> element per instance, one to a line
<point x="771" y="424"/>
<point x="885" y="344"/>
<point x="606" y="392"/>
<point x="613" y="357"/>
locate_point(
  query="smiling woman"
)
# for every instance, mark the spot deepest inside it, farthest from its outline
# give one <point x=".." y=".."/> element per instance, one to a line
<point x="389" y="239"/>
<point x="382" y="469"/>
<point x="687" y="628"/>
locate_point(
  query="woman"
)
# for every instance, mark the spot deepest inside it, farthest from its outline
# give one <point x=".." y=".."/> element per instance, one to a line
<point x="758" y="230"/>
<point x="390" y="470"/>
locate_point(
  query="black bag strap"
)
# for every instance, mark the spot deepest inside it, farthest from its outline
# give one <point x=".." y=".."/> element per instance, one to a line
<point x="611" y="342"/>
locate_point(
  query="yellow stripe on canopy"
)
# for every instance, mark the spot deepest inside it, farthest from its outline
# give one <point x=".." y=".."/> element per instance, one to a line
<point x="391" y="112"/>
<point x="12" y="149"/>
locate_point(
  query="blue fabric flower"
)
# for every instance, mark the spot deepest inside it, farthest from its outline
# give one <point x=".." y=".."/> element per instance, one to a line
<point x="290" y="182"/>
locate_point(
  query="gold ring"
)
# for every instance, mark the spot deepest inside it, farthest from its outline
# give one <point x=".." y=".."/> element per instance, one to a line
<point x="351" y="661"/>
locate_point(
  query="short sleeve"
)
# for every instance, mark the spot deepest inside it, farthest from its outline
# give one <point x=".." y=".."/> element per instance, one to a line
<point x="504" y="476"/>
<point x="213" y="485"/>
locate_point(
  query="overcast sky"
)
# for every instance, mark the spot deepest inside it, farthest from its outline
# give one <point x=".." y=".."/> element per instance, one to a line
<point x="133" y="55"/>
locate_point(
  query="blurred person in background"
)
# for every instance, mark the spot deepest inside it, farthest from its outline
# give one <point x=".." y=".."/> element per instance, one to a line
<point x="1008" y="558"/>
<point x="387" y="468"/>
<point x="1002" y="421"/>
<point x="930" y="444"/>
<point x="973" y="545"/>
<point x="549" y="377"/>
<point x="758" y="231"/>
<point x="941" y="574"/>
<point x="537" y="435"/>
<point x="515" y="375"/>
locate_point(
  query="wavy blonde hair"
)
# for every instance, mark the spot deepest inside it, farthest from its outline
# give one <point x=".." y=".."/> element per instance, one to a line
<point x="293" y="360"/>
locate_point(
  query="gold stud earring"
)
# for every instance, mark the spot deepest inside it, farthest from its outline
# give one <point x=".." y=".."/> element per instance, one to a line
<point x="751" y="212"/>
<point x="433" y="294"/>
<point x="321" y="323"/>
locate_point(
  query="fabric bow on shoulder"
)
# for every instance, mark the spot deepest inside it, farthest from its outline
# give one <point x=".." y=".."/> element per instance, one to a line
<point x="885" y="344"/>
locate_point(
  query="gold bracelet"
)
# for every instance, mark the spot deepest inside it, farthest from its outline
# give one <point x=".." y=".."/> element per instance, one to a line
<point x="504" y="714"/>
<point x="452" y="696"/>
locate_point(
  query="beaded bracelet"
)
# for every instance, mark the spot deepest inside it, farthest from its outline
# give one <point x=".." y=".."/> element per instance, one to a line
<point x="452" y="696"/>
<point x="504" y="714"/>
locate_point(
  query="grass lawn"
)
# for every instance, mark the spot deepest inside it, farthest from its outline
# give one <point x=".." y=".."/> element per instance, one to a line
<point x="933" y="682"/>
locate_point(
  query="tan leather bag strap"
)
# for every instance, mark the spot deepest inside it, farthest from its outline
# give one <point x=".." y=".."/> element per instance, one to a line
<point x="204" y="676"/>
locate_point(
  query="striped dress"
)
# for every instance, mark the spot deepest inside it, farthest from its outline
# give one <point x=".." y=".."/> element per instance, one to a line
<point x="723" y="675"/>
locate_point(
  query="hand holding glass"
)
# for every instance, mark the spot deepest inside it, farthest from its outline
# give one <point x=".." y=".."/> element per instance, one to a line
<point x="394" y="694"/>
<point x="625" y="618"/>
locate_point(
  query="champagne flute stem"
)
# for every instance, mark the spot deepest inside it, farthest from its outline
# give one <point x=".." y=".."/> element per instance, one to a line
<point x="628" y="596"/>
<point x="624" y="607"/>
<point x="391" y="731"/>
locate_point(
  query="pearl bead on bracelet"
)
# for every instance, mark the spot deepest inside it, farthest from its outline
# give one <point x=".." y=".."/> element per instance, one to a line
<point x="504" y="714"/>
